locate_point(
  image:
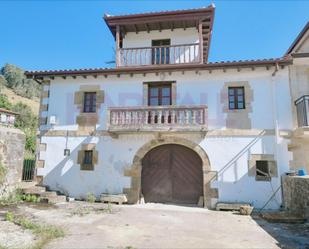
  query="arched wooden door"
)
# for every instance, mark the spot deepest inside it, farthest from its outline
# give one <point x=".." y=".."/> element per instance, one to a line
<point x="172" y="173"/>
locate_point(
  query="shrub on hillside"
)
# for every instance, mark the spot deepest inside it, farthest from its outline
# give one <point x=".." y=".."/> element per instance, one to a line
<point x="5" y="103"/>
<point x="15" y="79"/>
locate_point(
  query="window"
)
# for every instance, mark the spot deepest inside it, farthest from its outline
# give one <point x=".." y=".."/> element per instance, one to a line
<point x="262" y="170"/>
<point x="236" y="98"/>
<point x="88" y="157"/>
<point x="161" y="51"/>
<point x="90" y="101"/>
<point x="159" y="94"/>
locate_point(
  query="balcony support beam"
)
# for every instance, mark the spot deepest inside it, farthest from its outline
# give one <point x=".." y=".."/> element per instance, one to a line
<point x="200" y="32"/>
<point x="117" y="45"/>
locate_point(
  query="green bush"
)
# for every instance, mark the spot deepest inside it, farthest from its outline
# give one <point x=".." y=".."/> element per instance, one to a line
<point x="5" y="103"/>
<point x="12" y="198"/>
<point x="91" y="197"/>
<point x="9" y="216"/>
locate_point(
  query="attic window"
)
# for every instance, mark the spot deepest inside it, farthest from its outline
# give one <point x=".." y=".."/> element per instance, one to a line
<point x="262" y="170"/>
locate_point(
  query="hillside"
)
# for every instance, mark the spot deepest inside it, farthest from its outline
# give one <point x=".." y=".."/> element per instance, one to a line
<point x="34" y="103"/>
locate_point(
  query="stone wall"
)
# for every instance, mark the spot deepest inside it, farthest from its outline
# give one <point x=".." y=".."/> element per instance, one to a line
<point x="12" y="143"/>
<point x="296" y="194"/>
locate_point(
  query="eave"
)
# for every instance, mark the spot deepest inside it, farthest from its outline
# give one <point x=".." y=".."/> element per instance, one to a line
<point x="159" y="68"/>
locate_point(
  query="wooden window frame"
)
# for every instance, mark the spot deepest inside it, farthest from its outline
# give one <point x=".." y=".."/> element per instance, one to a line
<point x="87" y="163"/>
<point x="160" y="86"/>
<point x="92" y="107"/>
<point x="236" y="100"/>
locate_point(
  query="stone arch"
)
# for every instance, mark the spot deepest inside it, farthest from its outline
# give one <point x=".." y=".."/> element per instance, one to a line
<point x="134" y="192"/>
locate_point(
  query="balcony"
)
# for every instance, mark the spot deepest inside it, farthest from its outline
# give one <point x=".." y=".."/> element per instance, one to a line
<point x="302" y="109"/>
<point x="158" y="118"/>
<point x="158" y="55"/>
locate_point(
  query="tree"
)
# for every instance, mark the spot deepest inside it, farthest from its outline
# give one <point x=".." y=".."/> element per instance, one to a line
<point x="13" y="75"/>
<point x="15" y="79"/>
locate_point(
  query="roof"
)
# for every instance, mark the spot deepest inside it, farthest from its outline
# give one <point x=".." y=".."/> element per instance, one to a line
<point x="159" y="68"/>
<point x="8" y="111"/>
<point x="158" y="20"/>
<point x="298" y="38"/>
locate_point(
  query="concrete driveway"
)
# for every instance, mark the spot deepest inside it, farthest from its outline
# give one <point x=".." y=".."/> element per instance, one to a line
<point x="153" y="226"/>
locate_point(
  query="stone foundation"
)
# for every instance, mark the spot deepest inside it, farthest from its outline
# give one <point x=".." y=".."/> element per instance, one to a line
<point x="296" y="194"/>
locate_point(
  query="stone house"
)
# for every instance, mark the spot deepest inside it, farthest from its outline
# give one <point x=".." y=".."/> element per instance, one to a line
<point x="165" y="125"/>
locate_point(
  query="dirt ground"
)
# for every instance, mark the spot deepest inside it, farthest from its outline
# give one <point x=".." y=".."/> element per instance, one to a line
<point x="162" y="226"/>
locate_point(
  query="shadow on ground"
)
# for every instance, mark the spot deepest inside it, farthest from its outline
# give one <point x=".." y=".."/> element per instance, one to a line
<point x="288" y="235"/>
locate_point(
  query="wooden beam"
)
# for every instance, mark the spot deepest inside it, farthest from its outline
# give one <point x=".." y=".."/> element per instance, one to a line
<point x="124" y="30"/>
<point x="172" y="26"/>
<point x="200" y="31"/>
<point x="147" y="27"/>
<point x="117" y="44"/>
<point x="135" y="28"/>
<point x="160" y="26"/>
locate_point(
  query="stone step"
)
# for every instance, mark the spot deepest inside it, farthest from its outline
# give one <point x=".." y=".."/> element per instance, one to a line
<point x="120" y="198"/>
<point x="35" y="190"/>
<point x="45" y="196"/>
<point x="48" y="194"/>
<point x="57" y="199"/>
<point x="230" y="206"/>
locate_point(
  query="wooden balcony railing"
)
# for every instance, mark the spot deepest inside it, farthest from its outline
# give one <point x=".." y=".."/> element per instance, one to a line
<point x="153" y="118"/>
<point x="302" y="109"/>
<point x="158" y="55"/>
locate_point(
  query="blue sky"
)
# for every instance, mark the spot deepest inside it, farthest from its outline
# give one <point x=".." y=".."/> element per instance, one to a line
<point x="37" y="35"/>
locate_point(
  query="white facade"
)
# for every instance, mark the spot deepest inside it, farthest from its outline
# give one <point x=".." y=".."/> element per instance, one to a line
<point x="228" y="154"/>
<point x="229" y="143"/>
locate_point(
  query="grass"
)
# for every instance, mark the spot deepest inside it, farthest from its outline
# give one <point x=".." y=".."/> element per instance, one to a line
<point x="45" y="233"/>
<point x="13" y="198"/>
<point x="14" y="99"/>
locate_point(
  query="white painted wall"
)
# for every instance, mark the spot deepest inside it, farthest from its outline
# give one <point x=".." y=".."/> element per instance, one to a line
<point x="228" y="155"/>
<point x="197" y="89"/>
<point x="143" y="39"/>
<point x="144" y="55"/>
